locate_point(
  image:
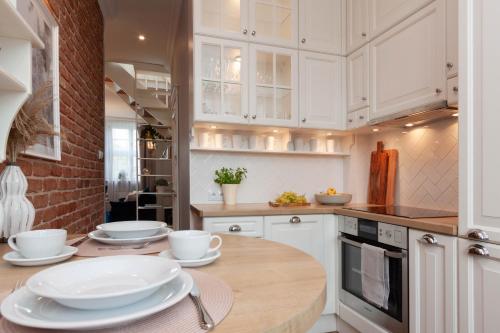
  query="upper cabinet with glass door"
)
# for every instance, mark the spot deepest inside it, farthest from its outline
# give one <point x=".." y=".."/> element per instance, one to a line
<point x="273" y="22"/>
<point x="223" y="18"/>
<point x="221" y="90"/>
<point x="273" y="86"/>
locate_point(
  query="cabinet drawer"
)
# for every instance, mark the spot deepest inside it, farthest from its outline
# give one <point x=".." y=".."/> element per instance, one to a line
<point x="251" y="226"/>
<point x="453" y="91"/>
<point x="362" y="117"/>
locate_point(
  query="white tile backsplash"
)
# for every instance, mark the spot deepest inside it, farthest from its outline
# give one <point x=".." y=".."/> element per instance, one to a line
<point x="268" y="175"/>
<point x="428" y="165"/>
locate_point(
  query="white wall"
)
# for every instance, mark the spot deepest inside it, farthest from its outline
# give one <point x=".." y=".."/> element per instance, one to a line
<point x="268" y="175"/>
<point x="427" y="170"/>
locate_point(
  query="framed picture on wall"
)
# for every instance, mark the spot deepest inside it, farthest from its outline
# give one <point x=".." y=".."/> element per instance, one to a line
<point x="45" y="67"/>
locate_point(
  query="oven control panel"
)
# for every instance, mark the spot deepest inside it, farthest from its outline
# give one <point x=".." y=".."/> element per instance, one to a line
<point x="394" y="235"/>
<point x="349" y="225"/>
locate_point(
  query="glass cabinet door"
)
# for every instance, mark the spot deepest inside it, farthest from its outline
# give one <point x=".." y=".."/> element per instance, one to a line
<point x="221" y="87"/>
<point x="225" y="18"/>
<point x="273" y="86"/>
<point x="274" y="22"/>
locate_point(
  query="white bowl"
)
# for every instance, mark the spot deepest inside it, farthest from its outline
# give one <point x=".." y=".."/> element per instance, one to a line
<point x="104" y="282"/>
<point x="336" y="199"/>
<point x="131" y="229"/>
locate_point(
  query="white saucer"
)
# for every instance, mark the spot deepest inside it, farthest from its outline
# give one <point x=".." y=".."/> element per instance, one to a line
<point x="16" y="259"/>
<point x="25" y="308"/>
<point x="100" y="236"/>
<point x="207" y="259"/>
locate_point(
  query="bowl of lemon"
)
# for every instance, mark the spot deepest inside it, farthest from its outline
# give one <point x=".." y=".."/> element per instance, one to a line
<point x="332" y="197"/>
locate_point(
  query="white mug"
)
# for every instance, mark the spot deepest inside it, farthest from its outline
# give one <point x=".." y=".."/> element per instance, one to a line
<point x="218" y="139"/>
<point x="39" y="243"/>
<point x="237" y="141"/>
<point x="330" y="145"/>
<point x="270" y="143"/>
<point x="298" y="144"/>
<point x="227" y="141"/>
<point x="192" y="244"/>
<point x="314" y="144"/>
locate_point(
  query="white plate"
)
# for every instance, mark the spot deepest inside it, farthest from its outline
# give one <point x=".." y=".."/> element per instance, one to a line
<point x="104" y="282"/>
<point x="132" y="229"/>
<point x="100" y="236"/>
<point x="208" y="259"/>
<point x="16" y="259"/>
<point x="25" y="308"/>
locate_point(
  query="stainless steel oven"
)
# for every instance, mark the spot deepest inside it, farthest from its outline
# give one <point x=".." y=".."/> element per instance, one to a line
<point x="394" y="240"/>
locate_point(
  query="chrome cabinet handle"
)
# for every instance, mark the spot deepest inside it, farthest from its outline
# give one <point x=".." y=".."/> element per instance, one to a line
<point x="303" y="40"/>
<point x="430" y="239"/>
<point x="481" y="251"/>
<point x="363" y="34"/>
<point x="361" y="117"/>
<point x="438" y="91"/>
<point x="304" y="120"/>
<point x="295" y="220"/>
<point x="455" y="89"/>
<point x="245" y="116"/>
<point x="449" y="65"/>
<point x="477" y="234"/>
<point x="245" y="31"/>
<point x="254" y="32"/>
<point x="234" y="228"/>
<point x="364" y="99"/>
<point x="254" y="116"/>
<point x="349" y="120"/>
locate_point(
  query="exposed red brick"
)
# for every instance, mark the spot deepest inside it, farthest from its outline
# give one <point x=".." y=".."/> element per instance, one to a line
<point x="57" y="188"/>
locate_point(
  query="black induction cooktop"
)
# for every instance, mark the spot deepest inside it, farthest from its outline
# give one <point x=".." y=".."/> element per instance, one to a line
<point x="405" y="211"/>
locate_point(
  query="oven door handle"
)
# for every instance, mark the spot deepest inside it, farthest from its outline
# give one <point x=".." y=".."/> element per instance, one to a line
<point x="391" y="254"/>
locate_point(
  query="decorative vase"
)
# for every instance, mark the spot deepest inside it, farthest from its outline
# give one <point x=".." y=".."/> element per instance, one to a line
<point x="18" y="211"/>
<point x="229" y="191"/>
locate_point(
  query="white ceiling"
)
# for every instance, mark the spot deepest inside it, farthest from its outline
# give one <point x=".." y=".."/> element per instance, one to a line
<point x="125" y="20"/>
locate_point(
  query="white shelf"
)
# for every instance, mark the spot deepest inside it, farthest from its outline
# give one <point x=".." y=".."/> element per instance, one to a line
<point x="252" y="151"/>
<point x="10" y="83"/>
<point x="12" y="25"/>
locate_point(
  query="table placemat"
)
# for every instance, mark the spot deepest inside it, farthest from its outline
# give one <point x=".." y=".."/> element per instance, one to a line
<point x="216" y="295"/>
<point x="92" y="248"/>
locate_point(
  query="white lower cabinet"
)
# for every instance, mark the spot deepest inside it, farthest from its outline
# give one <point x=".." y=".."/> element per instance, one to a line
<point x="479" y="289"/>
<point x="433" y="282"/>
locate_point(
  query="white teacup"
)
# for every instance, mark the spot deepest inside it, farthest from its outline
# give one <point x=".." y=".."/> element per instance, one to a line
<point x="39" y="243"/>
<point x="192" y="244"/>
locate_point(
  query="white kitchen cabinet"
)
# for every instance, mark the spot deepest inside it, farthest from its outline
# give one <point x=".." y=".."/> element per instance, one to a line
<point x="221" y="18"/>
<point x="479" y="101"/>
<point x="321" y="90"/>
<point x="358" y="79"/>
<point x="452" y="37"/>
<point x="433" y="282"/>
<point x="313" y="234"/>
<point x="479" y="287"/>
<point x="320" y="25"/>
<point x="452" y="86"/>
<point x="251" y="226"/>
<point x="273" y="22"/>
<point x="273" y="86"/>
<point x="221" y="80"/>
<point x="384" y="14"/>
<point x="357" y="24"/>
<point x="407" y="64"/>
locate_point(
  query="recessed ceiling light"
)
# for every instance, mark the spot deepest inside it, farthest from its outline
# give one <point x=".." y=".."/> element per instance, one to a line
<point x="142" y="37"/>
<point x="404" y="132"/>
<point x="375" y="129"/>
<point x="409" y="125"/>
<point x="213" y="127"/>
<point x="329" y="133"/>
<point x="275" y="131"/>
<point x="455" y="114"/>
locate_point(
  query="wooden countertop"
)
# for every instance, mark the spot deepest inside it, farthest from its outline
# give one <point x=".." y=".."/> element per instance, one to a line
<point x="443" y="225"/>
<point x="276" y="288"/>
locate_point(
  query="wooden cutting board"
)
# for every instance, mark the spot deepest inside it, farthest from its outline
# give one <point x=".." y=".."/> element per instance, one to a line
<point x="381" y="184"/>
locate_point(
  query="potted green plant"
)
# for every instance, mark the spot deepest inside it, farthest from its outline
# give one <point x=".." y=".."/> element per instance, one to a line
<point x="161" y="185"/>
<point x="229" y="179"/>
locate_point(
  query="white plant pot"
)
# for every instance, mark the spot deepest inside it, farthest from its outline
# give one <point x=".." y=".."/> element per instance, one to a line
<point x="230" y="191"/>
<point x="18" y="211"/>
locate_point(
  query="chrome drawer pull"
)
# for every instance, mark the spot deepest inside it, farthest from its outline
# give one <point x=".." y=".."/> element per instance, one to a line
<point x="430" y="239"/>
<point x="234" y="228"/>
<point x="481" y="251"/>
<point x="295" y="219"/>
<point x="477" y="234"/>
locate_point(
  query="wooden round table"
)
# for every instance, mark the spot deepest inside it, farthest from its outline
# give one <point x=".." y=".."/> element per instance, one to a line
<point x="276" y="288"/>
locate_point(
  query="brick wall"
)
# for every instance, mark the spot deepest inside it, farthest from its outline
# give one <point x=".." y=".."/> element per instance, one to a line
<point x="70" y="193"/>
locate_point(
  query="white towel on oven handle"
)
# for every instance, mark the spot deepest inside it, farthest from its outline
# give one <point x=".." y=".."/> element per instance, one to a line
<point x="375" y="275"/>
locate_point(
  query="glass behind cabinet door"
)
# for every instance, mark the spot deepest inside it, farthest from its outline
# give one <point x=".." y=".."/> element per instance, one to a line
<point x="274" y="21"/>
<point x="225" y="18"/>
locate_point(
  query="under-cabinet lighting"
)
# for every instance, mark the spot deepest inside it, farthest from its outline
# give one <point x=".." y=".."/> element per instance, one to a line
<point x="455" y="114"/>
<point x="409" y="125"/>
<point x="275" y="131"/>
<point x="375" y="129"/>
<point x="329" y="133"/>
<point x="213" y="127"/>
<point x="142" y="37"/>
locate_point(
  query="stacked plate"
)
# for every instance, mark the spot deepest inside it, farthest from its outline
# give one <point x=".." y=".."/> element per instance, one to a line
<point x="97" y="293"/>
<point x="130" y="232"/>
